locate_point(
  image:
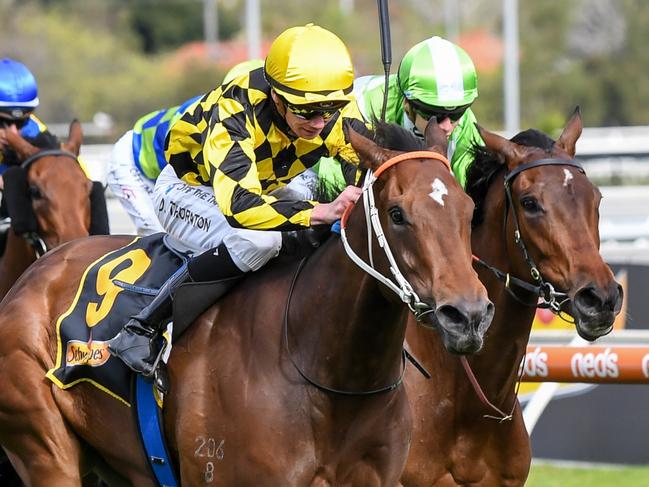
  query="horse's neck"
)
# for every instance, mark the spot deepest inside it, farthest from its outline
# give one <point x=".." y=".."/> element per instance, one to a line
<point x="496" y="367"/>
<point x="343" y="328"/>
<point x="17" y="258"/>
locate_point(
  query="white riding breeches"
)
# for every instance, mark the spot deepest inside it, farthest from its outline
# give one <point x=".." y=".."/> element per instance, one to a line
<point x="134" y="191"/>
<point x="190" y="215"/>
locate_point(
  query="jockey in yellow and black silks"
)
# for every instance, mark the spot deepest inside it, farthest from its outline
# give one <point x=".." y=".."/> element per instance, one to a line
<point x="228" y="154"/>
<point x="138" y="157"/>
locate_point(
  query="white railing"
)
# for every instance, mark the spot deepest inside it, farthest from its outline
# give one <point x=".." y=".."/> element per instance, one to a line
<point x="624" y="220"/>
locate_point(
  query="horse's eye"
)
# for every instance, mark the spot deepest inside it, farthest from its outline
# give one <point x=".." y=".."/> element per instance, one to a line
<point x="530" y="205"/>
<point x="34" y="192"/>
<point x="397" y="215"/>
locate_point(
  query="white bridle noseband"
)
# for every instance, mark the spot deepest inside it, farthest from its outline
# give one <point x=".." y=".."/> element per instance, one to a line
<point x="401" y="287"/>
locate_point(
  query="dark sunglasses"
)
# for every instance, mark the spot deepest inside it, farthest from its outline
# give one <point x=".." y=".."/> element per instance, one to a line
<point x="440" y="113"/>
<point x="19" y="122"/>
<point x="4" y="123"/>
<point x="311" y="111"/>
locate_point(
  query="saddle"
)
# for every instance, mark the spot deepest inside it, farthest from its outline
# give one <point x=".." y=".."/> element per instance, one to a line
<point x="112" y="289"/>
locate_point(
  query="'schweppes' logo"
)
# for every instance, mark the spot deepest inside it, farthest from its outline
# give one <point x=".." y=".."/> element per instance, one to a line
<point x="94" y="354"/>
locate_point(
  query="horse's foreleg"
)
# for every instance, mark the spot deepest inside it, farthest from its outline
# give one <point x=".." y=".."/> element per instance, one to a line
<point x="43" y="469"/>
<point x="36" y="436"/>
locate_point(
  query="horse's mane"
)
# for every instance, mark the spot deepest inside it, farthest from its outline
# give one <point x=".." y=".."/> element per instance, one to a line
<point x="395" y="137"/>
<point x="486" y="166"/>
<point x="387" y="135"/>
<point x="43" y="140"/>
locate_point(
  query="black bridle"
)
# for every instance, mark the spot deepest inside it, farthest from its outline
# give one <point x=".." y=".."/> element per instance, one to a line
<point x="33" y="238"/>
<point x="550" y="298"/>
<point x="26" y="164"/>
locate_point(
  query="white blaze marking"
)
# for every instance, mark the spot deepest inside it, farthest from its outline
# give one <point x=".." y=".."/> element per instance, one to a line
<point x="567" y="178"/>
<point x="439" y="191"/>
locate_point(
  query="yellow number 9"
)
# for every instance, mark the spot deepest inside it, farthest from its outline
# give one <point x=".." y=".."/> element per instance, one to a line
<point x="140" y="262"/>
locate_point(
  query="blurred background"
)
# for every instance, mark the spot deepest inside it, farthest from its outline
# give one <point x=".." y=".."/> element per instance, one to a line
<point x="108" y="62"/>
<point x="113" y="60"/>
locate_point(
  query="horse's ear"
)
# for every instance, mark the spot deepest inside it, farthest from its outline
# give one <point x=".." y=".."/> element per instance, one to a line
<point x="435" y="137"/>
<point x="571" y="133"/>
<point x="371" y="155"/>
<point x="509" y="152"/>
<point x="75" y="138"/>
<point x="20" y="146"/>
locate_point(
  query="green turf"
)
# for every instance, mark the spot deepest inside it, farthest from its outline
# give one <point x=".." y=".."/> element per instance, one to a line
<point x="550" y="476"/>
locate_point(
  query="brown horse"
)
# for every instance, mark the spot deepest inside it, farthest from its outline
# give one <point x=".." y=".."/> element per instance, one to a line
<point x="549" y="224"/>
<point x="56" y="192"/>
<point x="293" y="378"/>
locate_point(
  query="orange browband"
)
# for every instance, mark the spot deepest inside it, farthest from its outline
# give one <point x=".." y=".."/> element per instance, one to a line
<point x="420" y="154"/>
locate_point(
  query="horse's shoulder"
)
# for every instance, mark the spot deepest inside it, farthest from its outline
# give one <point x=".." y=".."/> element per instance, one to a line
<point x="89" y="248"/>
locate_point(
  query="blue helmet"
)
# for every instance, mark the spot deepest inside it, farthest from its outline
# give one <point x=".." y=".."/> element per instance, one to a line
<point x="18" y="90"/>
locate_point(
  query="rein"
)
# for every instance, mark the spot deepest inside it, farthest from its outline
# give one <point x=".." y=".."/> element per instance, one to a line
<point x="550" y="298"/>
<point x="502" y="417"/>
<point x="402" y="287"/>
<point x="316" y="384"/>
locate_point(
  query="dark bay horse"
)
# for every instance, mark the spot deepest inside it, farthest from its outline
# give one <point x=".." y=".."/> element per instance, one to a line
<point x="292" y="378"/>
<point x="554" y="209"/>
<point x="55" y="187"/>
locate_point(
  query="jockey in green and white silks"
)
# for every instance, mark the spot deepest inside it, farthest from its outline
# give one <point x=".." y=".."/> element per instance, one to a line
<point x="135" y="163"/>
<point x="435" y="78"/>
<point x="138" y="158"/>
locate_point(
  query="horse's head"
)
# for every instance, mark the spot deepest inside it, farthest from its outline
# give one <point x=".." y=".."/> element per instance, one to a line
<point x="426" y="216"/>
<point x="552" y="212"/>
<point x="58" y="190"/>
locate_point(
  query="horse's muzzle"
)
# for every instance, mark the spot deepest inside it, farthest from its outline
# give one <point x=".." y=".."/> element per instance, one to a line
<point x="595" y="309"/>
<point x="463" y="325"/>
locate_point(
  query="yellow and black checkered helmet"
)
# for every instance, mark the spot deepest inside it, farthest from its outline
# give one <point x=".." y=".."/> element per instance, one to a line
<point x="310" y="65"/>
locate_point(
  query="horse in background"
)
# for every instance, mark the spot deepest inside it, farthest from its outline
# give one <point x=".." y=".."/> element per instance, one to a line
<point x="535" y="231"/>
<point x="295" y="374"/>
<point x="49" y="199"/>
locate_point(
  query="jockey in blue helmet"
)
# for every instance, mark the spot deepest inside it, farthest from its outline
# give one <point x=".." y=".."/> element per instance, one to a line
<point x="18" y="89"/>
<point x="18" y="100"/>
<point x="18" y="96"/>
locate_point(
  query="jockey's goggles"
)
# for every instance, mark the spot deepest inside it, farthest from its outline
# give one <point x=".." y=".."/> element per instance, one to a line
<point x="309" y="111"/>
<point x="440" y="113"/>
<point x="14" y="116"/>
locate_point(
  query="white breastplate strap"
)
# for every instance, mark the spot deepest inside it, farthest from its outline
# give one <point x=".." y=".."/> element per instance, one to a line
<point x="400" y="286"/>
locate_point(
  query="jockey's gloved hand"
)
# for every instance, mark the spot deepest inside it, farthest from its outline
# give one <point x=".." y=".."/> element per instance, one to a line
<point x="300" y="243"/>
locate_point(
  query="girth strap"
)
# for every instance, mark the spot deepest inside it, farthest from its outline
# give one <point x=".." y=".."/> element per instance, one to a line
<point x="148" y="417"/>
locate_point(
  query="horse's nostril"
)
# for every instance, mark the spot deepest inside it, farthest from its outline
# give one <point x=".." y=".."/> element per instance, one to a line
<point x="450" y="314"/>
<point x="619" y="297"/>
<point x="587" y="298"/>
<point x="490" y="309"/>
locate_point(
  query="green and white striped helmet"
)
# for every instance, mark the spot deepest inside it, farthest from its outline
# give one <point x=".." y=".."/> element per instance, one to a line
<point x="438" y="73"/>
